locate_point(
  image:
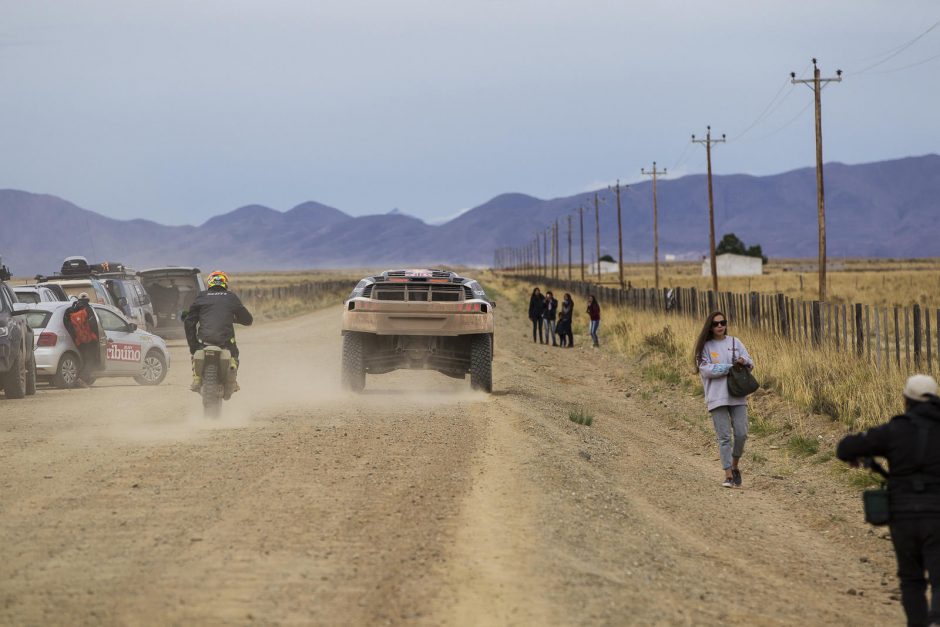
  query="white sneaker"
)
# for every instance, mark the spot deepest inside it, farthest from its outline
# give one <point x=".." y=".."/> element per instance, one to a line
<point x="727" y="483"/>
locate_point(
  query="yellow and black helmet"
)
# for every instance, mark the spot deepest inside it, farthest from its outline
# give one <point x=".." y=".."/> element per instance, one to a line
<point x="217" y="278"/>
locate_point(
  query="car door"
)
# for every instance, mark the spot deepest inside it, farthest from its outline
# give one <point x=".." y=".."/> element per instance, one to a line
<point x="123" y="347"/>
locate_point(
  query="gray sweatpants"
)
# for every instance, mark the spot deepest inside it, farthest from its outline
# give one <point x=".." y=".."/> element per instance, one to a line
<point x="728" y="419"/>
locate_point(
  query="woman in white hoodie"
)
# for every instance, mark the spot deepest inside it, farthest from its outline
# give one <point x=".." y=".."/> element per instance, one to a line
<point x="715" y="353"/>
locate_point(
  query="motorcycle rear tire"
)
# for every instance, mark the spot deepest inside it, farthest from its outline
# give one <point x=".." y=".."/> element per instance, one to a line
<point x="211" y="391"/>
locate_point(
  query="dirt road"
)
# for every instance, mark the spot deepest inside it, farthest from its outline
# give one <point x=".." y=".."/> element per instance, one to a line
<point x="418" y="502"/>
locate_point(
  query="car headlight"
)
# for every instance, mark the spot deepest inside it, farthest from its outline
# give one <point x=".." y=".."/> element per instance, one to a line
<point x="4" y="331"/>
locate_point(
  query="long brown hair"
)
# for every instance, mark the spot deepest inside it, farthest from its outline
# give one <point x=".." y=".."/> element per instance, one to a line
<point x="704" y="336"/>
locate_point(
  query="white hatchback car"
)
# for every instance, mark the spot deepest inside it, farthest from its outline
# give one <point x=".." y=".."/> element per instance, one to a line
<point x="31" y="294"/>
<point x="126" y="351"/>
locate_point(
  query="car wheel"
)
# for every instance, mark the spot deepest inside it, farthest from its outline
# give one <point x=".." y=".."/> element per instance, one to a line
<point x="14" y="381"/>
<point x="66" y="372"/>
<point x="31" y="376"/>
<point x="153" y="370"/>
<point x="354" y="365"/>
<point x="481" y="362"/>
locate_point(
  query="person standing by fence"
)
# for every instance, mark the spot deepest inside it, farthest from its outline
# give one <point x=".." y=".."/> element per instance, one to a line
<point x="565" y="315"/>
<point x="550" y="313"/>
<point x="594" y="313"/>
<point x="911" y="443"/>
<point x="536" y="306"/>
<point x="714" y="354"/>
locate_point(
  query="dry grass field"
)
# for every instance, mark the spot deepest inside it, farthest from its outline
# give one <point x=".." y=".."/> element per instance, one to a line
<point x="871" y="281"/>
<point x="819" y="381"/>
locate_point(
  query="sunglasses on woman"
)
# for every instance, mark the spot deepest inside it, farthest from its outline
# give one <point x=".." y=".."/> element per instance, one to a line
<point x="719" y="323"/>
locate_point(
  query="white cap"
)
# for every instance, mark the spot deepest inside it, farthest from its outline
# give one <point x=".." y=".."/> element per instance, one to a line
<point x="919" y="387"/>
<point x="83" y="296"/>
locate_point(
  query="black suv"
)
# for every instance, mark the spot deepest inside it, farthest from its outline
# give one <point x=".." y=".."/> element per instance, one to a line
<point x="17" y="361"/>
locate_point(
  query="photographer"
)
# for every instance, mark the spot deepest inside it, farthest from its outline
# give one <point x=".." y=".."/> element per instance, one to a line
<point x="911" y="443"/>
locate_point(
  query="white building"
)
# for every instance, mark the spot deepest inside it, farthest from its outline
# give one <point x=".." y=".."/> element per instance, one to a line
<point x="606" y="267"/>
<point x="734" y="265"/>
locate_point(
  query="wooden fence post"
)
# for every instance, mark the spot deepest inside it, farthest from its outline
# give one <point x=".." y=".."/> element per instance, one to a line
<point x="897" y="338"/>
<point x="877" y="339"/>
<point x="907" y="337"/>
<point x="927" y="330"/>
<point x="859" y="331"/>
<point x="817" y="323"/>
<point x="918" y="336"/>
<point x="782" y="309"/>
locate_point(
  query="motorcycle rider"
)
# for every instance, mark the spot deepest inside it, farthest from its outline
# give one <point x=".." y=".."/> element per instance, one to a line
<point x="211" y="319"/>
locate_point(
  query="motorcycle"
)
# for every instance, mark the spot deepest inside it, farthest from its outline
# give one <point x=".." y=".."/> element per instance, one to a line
<point x="218" y="371"/>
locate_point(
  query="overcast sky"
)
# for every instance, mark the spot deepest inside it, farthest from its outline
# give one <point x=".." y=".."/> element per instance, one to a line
<point x="179" y="110"/>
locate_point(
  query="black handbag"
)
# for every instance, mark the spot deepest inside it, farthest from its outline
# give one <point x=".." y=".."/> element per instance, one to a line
<point x="740" y="380"/>
<point x="875" y="501"/>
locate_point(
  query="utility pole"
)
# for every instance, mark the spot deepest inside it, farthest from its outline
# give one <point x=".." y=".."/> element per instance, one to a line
<point x="581" y="218"/>
<point x="597" y="237"/>
<point x="817" y="85"/>
<point x="569" y="246"/>
<point x="619" y="234"/>
<point x="545" y="253"/>
<point x="708" y="141"/>
<point x="655" y="173"/>
<point x="557" y="250"/>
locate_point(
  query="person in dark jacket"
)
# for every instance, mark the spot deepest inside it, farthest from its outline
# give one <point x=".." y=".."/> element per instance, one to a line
<point x="536" y="306"/>
<point x="911" y="443"/>
<point x="565" y="315"/>
<point x="82" y="326"/>
<point x="211" y="319"/>
<point x="594" y="313"/>
<point x="549" y="314"/>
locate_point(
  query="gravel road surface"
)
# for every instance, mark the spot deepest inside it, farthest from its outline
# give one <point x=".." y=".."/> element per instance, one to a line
<point x="417" y="502"/>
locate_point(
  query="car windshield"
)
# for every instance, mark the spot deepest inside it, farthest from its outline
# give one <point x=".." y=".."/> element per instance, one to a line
<point x="38" y="319"/>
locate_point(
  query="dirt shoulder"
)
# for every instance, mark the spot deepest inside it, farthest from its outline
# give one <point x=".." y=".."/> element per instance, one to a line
<point x="418" y="502"/>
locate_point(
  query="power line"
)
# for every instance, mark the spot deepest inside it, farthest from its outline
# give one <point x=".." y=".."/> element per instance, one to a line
<point x="898" y="50"/>
<point x="907" y="67"/>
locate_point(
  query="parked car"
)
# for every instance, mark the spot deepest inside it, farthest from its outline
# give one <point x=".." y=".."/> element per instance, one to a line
<point x="130" y="297"/>
<point x="28" y="294"/>
<point x="97" y="292"/>
<point x="17" y="362"/>
<point x="172" y="290"/>
<point x="129" y="351"/>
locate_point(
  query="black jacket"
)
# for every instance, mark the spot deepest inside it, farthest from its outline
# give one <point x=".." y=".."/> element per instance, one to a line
<point x="536" y="306"/>
<point x="567" y="308"/>
<point x="550" y="311"/>
<point x="212" y="316"/>
<point x="913" y="491"/>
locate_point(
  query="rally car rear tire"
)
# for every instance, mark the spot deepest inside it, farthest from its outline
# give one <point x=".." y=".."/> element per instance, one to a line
<point x="66" y="371"/>
<point x="481" y="362"/>
<point x="154" y="369"/>
<point x="14" y="381"/>
<point x="354" y="366"/>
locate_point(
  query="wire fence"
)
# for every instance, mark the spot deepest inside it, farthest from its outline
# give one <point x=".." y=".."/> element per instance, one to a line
<point x="306" y="292"/>
<point x="887" y="337"/>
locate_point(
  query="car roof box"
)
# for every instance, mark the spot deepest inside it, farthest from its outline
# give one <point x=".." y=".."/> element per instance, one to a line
<point x="75" y="266"/>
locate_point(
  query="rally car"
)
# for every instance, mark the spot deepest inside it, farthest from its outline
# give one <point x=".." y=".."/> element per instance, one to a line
<point x="418" y="319"/>
<point x="126" y="351"/>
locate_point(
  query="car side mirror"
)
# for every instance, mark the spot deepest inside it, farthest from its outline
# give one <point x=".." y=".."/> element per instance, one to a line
<point x="132" y="327"/>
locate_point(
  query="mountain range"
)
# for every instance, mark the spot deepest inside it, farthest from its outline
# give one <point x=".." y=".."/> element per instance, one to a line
<point x="882" y="209"/>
